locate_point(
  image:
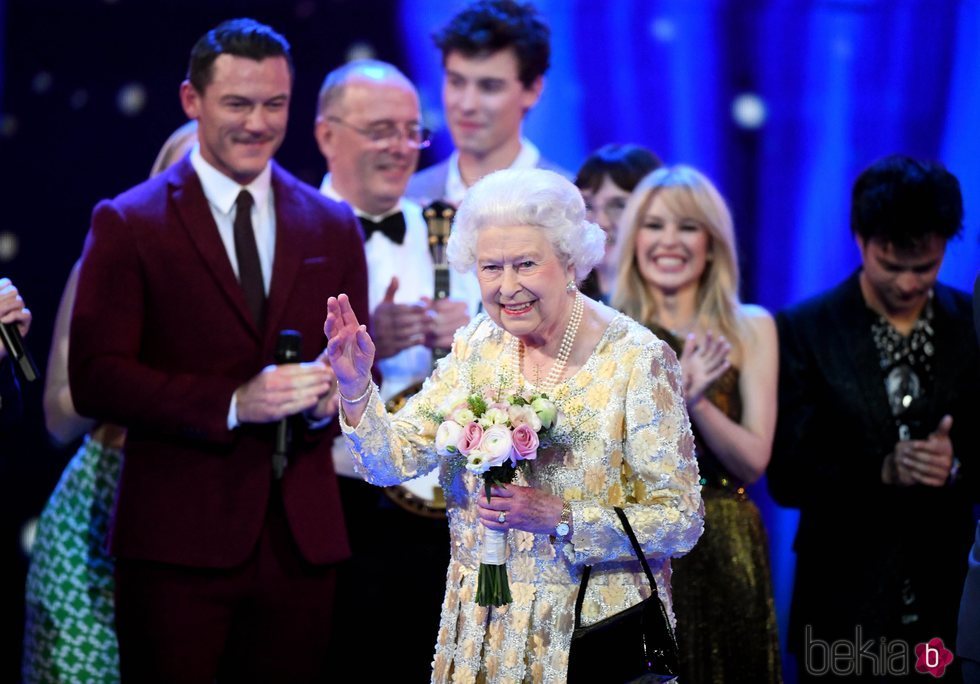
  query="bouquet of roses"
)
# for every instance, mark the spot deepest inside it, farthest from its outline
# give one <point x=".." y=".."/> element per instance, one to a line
<point x="494" y="439"/>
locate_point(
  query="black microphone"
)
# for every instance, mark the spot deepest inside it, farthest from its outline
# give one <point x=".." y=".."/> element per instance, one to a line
<point x="287" y="351"/>
<point x="21" y="358"/>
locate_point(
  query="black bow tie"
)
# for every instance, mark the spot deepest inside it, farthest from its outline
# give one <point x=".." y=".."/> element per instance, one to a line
<point x="393" y="226"/>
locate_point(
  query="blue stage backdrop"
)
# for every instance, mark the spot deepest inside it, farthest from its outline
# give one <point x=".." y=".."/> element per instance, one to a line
<point x="781" y="102"/>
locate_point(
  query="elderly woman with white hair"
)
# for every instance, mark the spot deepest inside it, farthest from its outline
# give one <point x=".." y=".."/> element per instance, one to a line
<point x="622" y="438"/>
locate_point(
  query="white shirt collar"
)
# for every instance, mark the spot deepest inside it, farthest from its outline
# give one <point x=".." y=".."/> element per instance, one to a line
<point x="221" y="191"/>
<point x="328" y="190"/>
<point x="527" y="158"/>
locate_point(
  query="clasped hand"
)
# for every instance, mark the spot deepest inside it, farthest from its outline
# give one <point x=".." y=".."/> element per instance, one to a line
<point x="400" y="326"/>
<point x="283" y="390"/>
<point x="922" y="461"/>
<point x="524" y="508"/>
<point x="702" y="363"/>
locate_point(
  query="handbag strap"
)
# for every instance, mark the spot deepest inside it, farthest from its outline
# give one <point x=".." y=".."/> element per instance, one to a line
<point x="588" y="568"/>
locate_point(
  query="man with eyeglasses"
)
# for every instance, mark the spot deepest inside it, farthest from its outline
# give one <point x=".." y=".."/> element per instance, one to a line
<point x="494" y="54"/>
<point x="368" y="129"/>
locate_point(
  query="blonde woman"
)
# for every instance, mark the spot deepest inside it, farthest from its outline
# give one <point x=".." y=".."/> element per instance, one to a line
<point x="678" y="274"/>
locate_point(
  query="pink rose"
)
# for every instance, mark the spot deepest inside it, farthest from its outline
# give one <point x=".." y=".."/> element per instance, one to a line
<point x="525" y="443"/>
<point x="470" y="438"/>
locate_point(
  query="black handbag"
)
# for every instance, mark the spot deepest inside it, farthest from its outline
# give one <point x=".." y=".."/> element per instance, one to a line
<point x="635" y="645"/>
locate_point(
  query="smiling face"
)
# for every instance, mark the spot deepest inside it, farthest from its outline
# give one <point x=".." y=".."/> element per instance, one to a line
<point x="241" y="115"/>
<point x="897" y="282"/>
<point x="671" y="248"/>
<point x="485" y="102"/>
<point x="370" y="175"/>
<point x="522" y="282"/>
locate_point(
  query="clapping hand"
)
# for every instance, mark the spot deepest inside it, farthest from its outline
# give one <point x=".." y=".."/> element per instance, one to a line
<point x="702" y="363"/>
<point x="398" y="326"/>
<point x="350" y="348"/>
<point x="924" y="461"/>
<point x="446" y="316"/>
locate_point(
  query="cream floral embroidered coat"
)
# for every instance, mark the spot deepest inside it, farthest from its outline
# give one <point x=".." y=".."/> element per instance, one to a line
<point x="629" y="445"/>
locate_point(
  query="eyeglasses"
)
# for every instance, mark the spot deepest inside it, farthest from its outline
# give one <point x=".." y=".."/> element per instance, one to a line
<point x="387" y="133"/>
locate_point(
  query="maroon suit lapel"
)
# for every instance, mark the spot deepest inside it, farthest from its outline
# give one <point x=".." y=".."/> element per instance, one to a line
<point x="289" y="247"/>
<point x="195" y="216"/>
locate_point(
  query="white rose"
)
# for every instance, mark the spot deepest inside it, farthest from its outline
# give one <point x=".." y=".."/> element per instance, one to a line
<point x="492" y="416"/>
<point x="497" y="444"/>
<point x="446" y="438"/>
<point x="524" y="415"/>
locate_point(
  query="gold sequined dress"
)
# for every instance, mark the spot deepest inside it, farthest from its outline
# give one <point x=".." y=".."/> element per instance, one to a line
<point x="626" y="442"/>
<point x="726" y="619"/>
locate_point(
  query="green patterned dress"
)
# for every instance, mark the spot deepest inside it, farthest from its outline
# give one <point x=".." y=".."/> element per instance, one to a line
<point x="69" y="634"/>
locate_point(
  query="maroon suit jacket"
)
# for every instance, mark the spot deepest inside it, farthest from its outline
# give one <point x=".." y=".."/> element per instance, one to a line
<point x="161" y="337"/>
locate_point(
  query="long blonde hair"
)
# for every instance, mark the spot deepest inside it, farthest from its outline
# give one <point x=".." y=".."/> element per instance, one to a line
<point x="689" y="193"/>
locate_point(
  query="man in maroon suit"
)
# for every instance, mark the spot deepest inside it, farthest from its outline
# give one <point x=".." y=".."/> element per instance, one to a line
<point x="225" y="564"/>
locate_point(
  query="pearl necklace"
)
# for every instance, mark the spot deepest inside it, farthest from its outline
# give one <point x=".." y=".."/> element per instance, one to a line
<point x="564" y="351"/>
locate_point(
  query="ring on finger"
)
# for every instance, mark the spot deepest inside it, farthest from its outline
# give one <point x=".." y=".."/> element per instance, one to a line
<point x="502" y="518"/>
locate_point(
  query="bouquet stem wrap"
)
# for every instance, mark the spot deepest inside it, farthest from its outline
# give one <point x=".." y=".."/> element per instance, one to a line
<point x="492" y="588"/>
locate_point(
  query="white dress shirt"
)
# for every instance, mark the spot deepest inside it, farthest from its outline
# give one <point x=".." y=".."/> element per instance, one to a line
<point x="527" y="158"/>
<point x="222" y="193"/>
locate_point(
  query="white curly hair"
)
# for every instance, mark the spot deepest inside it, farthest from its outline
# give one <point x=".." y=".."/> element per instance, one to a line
<point x="527" y="197"/>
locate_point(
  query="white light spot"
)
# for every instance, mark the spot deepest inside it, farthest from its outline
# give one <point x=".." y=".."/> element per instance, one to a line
<point x="42" y="82"/>
<point x="360" y="51"/>
<point x="27" y="535"/>
<point x="9" y="246"/>
<point x="131" y="99"/>
<point x="78" y="99"/>
<point x="749" y="111"/>
<point x="663" y="30"/>
<point x="8" y="125"/>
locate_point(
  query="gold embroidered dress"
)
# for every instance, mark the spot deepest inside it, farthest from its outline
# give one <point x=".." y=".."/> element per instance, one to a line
<point x="624" y="440"/>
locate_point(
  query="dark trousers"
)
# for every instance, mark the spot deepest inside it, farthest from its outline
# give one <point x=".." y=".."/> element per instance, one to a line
<point x="267" y="620"/>
<point x="390" y="593"/>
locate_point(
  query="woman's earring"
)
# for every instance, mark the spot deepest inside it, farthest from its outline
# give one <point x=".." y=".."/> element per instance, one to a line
<point x="571" y="287"/>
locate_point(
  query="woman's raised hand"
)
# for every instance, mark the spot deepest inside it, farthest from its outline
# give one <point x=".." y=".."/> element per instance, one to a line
<point x="350" y="348"/>
<point x="702" y="363"/>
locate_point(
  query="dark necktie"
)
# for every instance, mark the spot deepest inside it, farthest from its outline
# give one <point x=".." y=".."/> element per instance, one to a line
<point x="393" y="226"/>
<point x="249" y="267"/>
